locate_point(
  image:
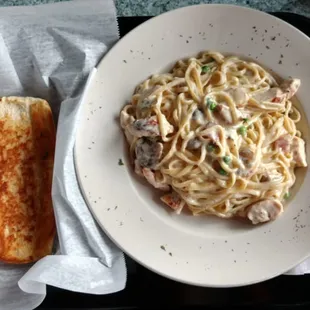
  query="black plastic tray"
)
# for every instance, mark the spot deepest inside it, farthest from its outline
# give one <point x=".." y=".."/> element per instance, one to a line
<point x="146" y="289"/>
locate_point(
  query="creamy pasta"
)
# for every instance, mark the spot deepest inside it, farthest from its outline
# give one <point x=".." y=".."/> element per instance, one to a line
<point x="217" y="134"/>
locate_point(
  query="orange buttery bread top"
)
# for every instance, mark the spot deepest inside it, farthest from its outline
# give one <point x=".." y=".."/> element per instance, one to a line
<point x="27" y="146"/>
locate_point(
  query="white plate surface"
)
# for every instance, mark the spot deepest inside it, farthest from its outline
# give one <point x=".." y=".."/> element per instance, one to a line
<point x="198" y="250"/>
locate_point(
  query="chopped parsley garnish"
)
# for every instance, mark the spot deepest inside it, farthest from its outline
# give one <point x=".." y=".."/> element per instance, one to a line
<point x="205" y="69"/>
<point x="211" y="104"/>
<point x="242" y="130"/>
<point x="222" y="172"/>
<point x="287" y="195"/>
<point x="120" y="162"/>
<point x="245" y="120"/>
<point x="210" y="147"/>
<point x="226" y="159"/>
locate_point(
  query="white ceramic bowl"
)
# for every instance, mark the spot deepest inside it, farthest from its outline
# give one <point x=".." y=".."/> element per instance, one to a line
<point x="202" y="250"/>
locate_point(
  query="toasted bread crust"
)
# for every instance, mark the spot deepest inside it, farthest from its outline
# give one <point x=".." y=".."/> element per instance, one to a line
<point x="27" y="147"/>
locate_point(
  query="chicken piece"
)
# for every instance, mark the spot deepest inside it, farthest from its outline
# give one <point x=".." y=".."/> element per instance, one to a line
<point x="173" y="200"/>
<point x="299" y="153"/>
<point x="194" y="144"/>
<point x="264" y="211"/>
<point x="274" y="94"/>
<point x="138" y="168"/>
<point x="290" y="87"/>
<point x="223" y="112"/>
<point x="277" y="94"/>
<point x="150" y="177"/>
<point x="145" y="127"/>
<point x="294" y="145"/>
<point x="148" y="152"/>
<point x="239" y="95"/>
<point x="283" y="143"/>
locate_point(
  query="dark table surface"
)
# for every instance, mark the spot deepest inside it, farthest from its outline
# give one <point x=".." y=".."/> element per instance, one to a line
<point x="146" y="289"/>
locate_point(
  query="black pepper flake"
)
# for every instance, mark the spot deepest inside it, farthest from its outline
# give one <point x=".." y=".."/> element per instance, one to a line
<point x="163" y="248"/>
<point x="252" y="39"/>
<point x="95" y="201"/>
<point x="187" y="263"/>
<point x="87" y="118"/>
<point x="225" y="241"/>
<point x="232" y="250"/>
<point x="141" y="219"/>
<point x="266" y="30"/>
<point x="267" y="47"/>
<point x="120" y="162"/>
<point x="89" y="148"/>
<point x="273" y="38"/>
<point x="131" y="51"/>
<point x="287" y="45"/>
<point x="187" y="41"/>
<point x="254" y="27"/>
<point x="280" y="62"/>
<point x="263" y="40"/>
<point x="248" y="243"/>
<point x="235" y="261"/>
<point x="170" y="253"/>
<point x="125" y="61"/>
<point x="181" y="36"/>
<point x="231" y="33"/>
<point x="279" y="34"/>
<point x="108" y="209"/>
<point x="149" y="58"/>
<point x="189" y="37"/>
<point x="297" y="64"/>
<point x="115" y="207"/>
<point x="281" y="55"/>
<point x="100" y="107"/>
<point x="85" y="176"/>
<point x="121" y="224"/>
